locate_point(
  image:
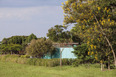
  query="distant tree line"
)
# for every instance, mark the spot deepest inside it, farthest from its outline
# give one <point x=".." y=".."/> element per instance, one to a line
<point x="38" y="47"/>
<point x="15" y="44"/>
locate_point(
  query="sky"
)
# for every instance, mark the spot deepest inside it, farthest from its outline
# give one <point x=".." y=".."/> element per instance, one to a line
<point x="23" y="17"/>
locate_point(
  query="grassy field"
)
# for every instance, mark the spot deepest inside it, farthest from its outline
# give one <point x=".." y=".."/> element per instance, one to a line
<point x="8" y="69"/>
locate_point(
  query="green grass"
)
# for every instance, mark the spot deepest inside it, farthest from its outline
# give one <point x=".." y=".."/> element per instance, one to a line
<point x="8" y="69"/>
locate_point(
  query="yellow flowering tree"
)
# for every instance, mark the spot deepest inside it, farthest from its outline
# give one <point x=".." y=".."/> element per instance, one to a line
<point x="95" y="22"/>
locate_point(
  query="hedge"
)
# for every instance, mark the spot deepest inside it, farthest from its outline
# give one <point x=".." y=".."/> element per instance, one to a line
<point x="36" y="61"/>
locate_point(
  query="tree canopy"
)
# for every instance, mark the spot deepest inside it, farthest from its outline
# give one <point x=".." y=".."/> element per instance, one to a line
<point x="40" y="47"/>
<point x="60" y="34"/>
<point x="16" y="43"/>
<point x="95" y="23"/>
<point x="10" y="48"/>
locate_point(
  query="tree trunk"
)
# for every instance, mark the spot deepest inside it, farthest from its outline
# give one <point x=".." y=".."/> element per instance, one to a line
<point x="115" y="62"/>
<point x="112" y="50"/>
<point x="108" y="62"/>
<point x="102" y="67"/>
<point x="109" y="43"/>
<point x="11" y="52"/>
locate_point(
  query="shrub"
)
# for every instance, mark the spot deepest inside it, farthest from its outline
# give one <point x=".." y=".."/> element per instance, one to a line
<point x="22" y="60"/>
<point x="38" y="62"/>
<point x="25" y="56"/>
<point x="31" y="61"/>
<point x="76" y="62"/>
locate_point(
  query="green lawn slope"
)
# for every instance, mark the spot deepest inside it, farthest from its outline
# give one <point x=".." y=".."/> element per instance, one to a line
<point x="9" y="69"/>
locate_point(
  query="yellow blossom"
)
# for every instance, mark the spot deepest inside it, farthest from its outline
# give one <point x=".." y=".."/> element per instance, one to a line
<point x="96" y="27"/>
<point x="77" y="6"/>
<point x="105" y="8"/>
<point x="91" y="46"/>
<point x="62" y="3"/>
<point x="63" y="25"/>
<point x="108" y="19"/>
<point x="100" y="35"/>
<point x="83" y="27"/>
<point x="68" y="9"/>
<point x="113" y="22"/>
<point x="101" y="61"/>
<point x="102" y="23"/>
<point x="88" y="42"/>
<point x="91" y="28"/>
<point x="109" y="15"/>
<point x="95" y="47"/>
<point x="99" y="8"/>
<point x="63" y="11"/>
<point x="80" y="5"/>
<point x="88" y="52"/>
<point x="98" y="39"/>
<point x="96" y="58"/>
<point x="92" y="53"/>
<point x="108" y="10"/>
<point x="71" y="18"/>
<point x="91" y="39"/>
<point x="66" y="2"/>
<point x="110" y="23"/>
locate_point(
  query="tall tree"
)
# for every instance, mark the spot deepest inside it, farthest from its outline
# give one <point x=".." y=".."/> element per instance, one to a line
<point x="58" y="34"/>
<point x="96" y="23"/>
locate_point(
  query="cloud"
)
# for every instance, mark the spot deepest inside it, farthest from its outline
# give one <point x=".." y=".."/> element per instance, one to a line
<point x="23" y="14"/>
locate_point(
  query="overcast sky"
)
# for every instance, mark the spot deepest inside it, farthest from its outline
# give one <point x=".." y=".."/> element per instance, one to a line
<point x="23" y="17"/>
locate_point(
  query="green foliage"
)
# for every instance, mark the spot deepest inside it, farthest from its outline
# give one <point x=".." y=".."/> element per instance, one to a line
<point x="95" y="24"/>
<point x="31" y="37"/>
<point x="58" y="33"/>
<point x="40" y="47"/>
<point x="8" y="69"/>
<point x="81" y="51"/>
<point x="25" y="56"/>
<point x="15" y="40"/>
<point x="12" y="44"/>
<point x="10" y="48"/>
<point x="77" y="62"/>
<point x="36" y="61"/>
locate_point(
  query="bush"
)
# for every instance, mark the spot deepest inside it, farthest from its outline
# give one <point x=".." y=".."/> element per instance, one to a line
<point x="31" y="61"/>
<point x="25" y="56"/>
<point x="76" y="62"/>
<point x="23" y="59"/>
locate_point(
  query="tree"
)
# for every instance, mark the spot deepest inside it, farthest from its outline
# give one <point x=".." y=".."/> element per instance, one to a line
<point x="30" y="37"/>
<point x="4" y="41"/>
<point x="21" y="40"/>
<point x="14" y="40"/>
<point x="10" y="48"/>
<point x="40" y="47"/>
<point x="14" y="48"/>
<point x="59" y="34"/>
<point x="81" y="51"/>
<point x="95" y="20"/>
